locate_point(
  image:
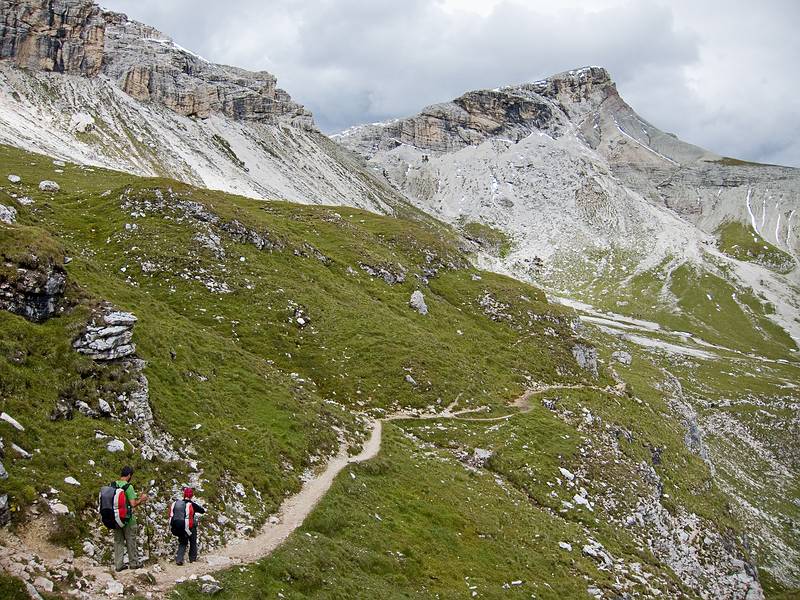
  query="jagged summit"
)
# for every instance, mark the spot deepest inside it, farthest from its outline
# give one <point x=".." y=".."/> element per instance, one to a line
<point x="514" y="112"/>
<point x="80" y="38"/>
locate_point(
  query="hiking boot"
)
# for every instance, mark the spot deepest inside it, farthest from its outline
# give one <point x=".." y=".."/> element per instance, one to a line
<point x="122" y="568"/>
<point x="179" y="563"/>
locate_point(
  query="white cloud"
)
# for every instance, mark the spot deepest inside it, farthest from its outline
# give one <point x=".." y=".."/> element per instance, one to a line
<point x="719" y="73"/>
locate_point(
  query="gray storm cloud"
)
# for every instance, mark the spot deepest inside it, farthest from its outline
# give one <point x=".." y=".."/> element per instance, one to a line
<point x="720" y="74"/>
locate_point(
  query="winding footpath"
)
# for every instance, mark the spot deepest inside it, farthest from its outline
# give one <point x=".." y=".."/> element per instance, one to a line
<point x="164" y="575"/>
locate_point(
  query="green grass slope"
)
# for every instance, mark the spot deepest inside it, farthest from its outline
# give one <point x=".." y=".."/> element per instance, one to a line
<point x="218" y="328"/>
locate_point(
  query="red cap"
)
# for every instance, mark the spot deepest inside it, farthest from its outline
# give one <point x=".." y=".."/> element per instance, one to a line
<point x="188" y="492"/>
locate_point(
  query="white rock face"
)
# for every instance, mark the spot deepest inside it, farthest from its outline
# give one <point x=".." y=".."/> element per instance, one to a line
<point x="114" y="588"/>
<point x="11" y="421"/>
<point x="569" y="172"/>
<point x="49" y="186"/>
<point x="259" y="159"/>
<point x="115" y="446"/>
<point x="8" y="214"/>
<point x="43" y="584"/>
<point x="59" y="509"/>
<point x="623" y="358"/>
<point x="417" y="302"/>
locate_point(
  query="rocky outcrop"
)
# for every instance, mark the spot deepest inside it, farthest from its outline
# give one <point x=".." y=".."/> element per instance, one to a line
<point x="586" y="357"/>
<point x="64" y="36"/>
<point x="32" y="290"/>
<point x="108" y="337"/>
<point x="78" y="37"/>
<point x="150" y="67"/>
<point x="8" y="214"/>
<point x="417" y="302"/>
<point x="510" y="113"/>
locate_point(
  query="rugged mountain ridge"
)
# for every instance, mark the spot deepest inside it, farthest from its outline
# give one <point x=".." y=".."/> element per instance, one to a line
<point x="570" y="173"/>
<point x="93" y="86"/>
<point x="77" y="37"/>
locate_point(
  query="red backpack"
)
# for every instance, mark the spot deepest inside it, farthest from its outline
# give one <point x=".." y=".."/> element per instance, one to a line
<point x="181" y="517"/>
<point x="114" y="507"/>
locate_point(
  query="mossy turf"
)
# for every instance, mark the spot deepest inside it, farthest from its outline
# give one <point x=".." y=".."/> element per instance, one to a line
<point x="742" y="242"/>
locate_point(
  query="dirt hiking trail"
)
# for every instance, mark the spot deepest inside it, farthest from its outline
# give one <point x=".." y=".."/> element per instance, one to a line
<point x="157" y="580"/>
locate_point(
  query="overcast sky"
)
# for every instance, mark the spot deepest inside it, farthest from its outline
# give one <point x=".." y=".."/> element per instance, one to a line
<point x="722" y="74"/>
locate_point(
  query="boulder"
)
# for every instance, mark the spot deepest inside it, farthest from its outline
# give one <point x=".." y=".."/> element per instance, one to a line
<point x="105" y="407"/>
<point x="8" y="215"/>
<point x="43" y="584"/>
<point x="71" y="481"/>
<point x="21" y="452"/>
<point x="32" y="591"/>
<point x="62" y="411"/>
<point x="623" y="358"/>
<point x="14" y="178"/>
<point x="89" y="548"/>
<point x="49" y="186"/>
<point x="11" y="421"/>
<point x="586" y="357"/>
<point x="417" y="302"/>
<point x="481" y="456"/>
<point x="109" y="337"/>
<point x="115" y="446"/>
<point x="211" y="588"/>
<point x="59" y="509"/>
<point x="114" y="588"/>
<point x="3" y="472"/>
<point x="35" y="289"/>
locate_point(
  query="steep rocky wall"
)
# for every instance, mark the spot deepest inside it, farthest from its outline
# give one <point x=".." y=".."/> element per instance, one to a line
<point x="149" y="66"/>
<point x="77" y="37"/>
<point x="65" y="36"/>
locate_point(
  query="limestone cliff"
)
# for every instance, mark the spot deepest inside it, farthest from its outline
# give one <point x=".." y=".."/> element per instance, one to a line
<point x="78" y="37"/>
<point x="65" y="36"/>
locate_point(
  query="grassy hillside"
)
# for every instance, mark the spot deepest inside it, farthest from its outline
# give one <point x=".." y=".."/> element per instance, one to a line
<point x="219" y="328"/>
<point x="271" y="332"/>
<point x="743" y="243"/>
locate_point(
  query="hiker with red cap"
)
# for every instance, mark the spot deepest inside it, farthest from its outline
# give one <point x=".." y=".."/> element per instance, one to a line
<point x="183" y="524"/>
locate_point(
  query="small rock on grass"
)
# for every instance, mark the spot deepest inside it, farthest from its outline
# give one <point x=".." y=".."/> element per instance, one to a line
<point x="212" y="588"/>
<point x="417" y="302"/>
<point x="8" y="215"/>
<point x="49" y="186"/>
<point x="14" y="178"/>
<point x="11" y="421"/>
<point x="115" y="446"/>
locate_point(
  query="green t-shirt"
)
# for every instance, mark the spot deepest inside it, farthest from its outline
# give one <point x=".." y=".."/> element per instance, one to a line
<point x="130" y="494"/>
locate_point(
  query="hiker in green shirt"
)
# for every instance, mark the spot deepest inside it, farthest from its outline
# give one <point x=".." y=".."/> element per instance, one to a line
<point x="126" y="536"/>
